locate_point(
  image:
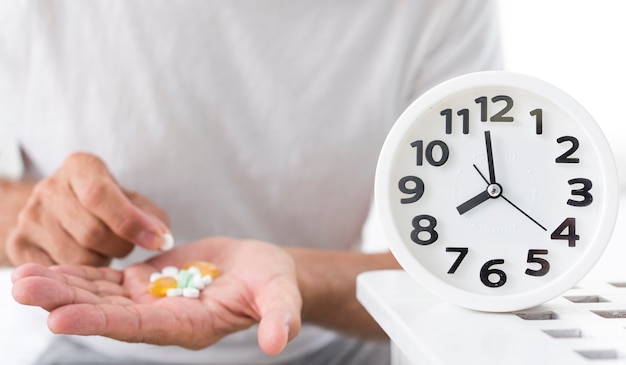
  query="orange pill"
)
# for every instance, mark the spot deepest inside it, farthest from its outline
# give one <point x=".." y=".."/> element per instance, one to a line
<point x="160" y="286"/>
<point x="205" y="268"/>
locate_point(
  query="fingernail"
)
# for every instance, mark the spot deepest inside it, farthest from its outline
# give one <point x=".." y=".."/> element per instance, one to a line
<point x="161" y="239"/>
<point x="152" y="241"/>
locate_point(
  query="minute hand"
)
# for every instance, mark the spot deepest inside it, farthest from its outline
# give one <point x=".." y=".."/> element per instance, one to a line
<point x="472" y="203"/>
<point x="492" y="171"/>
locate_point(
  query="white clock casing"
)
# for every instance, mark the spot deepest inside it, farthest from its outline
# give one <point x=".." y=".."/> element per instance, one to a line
<point x="497" y="191"/>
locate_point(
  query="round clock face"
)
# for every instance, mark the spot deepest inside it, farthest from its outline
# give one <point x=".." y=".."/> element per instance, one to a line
<point x="498" y="191"/>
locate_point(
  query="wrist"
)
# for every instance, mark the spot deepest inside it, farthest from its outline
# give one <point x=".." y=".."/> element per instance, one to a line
<point x="327" y="283"/>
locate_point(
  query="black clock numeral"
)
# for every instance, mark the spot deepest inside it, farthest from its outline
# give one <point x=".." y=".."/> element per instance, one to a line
<point x="544" y="265"/>
<point x="571" y="237"/>
<point x="431" y="157"/>
<point x="487" y="272"/>
<point x="462" y="251"/>
<point x="411" y="185"/>
<point x="538" y="114"/>
<point x="565" y="157"/>
<point x="500" y="115"/>
<point x="426" y="229"/>
<point x="584" y="192"/>
<point x="464" y="113"/>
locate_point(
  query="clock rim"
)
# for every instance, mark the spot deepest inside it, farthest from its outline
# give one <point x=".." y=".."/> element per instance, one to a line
<point x="495" y="302"/>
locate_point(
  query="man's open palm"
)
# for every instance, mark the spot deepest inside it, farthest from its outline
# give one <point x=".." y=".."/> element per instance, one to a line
<point x="257" y="285"/>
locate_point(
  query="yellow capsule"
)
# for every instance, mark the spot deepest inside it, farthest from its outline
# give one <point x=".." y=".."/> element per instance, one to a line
<point x="160" y="286"/>
<point x="205" y="268"/>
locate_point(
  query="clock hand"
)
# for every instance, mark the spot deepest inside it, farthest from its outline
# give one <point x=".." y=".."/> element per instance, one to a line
<point x="481" y="174"/>
<point x="524" y="213"/>
<point x="492" y="172"/>
<point x="494" y="194"/>
<point x="492" y="191"/>
<point x="474" y="202"/>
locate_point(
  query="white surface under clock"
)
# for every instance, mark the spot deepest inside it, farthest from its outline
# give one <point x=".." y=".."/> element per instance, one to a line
<point x="565" y="330"/>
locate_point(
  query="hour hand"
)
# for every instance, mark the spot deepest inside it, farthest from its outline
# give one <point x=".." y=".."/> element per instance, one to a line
<point x="474" y="202"/>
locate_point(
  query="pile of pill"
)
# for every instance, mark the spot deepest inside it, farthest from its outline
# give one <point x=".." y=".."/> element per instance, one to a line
<point x="187" y="282"/>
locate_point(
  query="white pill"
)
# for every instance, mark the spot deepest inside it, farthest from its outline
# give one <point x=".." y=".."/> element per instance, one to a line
<point x="197" y="282"/>
<point x="154" y="276"/>
<point x="191" y="293"/>
<point x="170" y="271"/>
<point x="207" y="279"/>
<point x="168" y="242"/>
<point x="174" y="292"/>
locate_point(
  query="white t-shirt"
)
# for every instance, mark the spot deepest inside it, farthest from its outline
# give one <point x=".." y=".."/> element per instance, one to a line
<point x="258" y="119"/>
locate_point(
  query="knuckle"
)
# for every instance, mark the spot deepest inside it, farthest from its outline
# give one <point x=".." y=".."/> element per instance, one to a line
<point x="20" y="250"/>
<point x="77" y="159"/>
<point x="93" y="193"/>
<point x="26" y="217"/>
<point x="15" y="244"/>
<point x="29" y="218"/>
<point x="91" y="235"/>
<point x="44" y="188"/>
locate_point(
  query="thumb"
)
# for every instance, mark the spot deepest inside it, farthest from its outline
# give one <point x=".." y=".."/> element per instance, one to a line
<point x="157" y="215"/>
<point x="147" y="206"/>
<point x="276" y="329"/>
<point x="280" y="304"/>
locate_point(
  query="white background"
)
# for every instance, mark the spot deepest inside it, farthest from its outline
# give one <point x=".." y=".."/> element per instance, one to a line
<point x="580" y="47"/>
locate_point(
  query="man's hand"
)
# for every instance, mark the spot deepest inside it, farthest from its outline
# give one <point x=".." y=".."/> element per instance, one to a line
<point x="80" y="215"/>
<point x="257" y="285"/>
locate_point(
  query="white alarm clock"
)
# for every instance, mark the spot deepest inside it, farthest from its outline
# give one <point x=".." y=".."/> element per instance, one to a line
<point x="497" y="191"/>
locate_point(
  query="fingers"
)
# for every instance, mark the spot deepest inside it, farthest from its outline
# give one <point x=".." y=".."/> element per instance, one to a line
<point x="80" y="215"/>
<point x="169" y="321"/>
<point x="99" y="193"/>
<point x="20" y="250"/>
<point x="84" y="300"/>
<point x="44" y="287"/>
<point x="133" y="323"/>
<point x="86" y="229"/>
<point x="91" y="301"/>
<point x="39" y="237"/>
<point x="28" y="270"/>
<point x="90" y="273"/>
<point x="49" y="293"/>
<point x="147" y="206"/>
